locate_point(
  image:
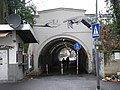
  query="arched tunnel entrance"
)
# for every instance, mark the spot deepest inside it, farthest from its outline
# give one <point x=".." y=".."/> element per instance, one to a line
<point x="52" y="55"/>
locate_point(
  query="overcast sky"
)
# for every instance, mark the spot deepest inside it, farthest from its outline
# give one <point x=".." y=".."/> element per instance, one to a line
<point x="88" y="5"/>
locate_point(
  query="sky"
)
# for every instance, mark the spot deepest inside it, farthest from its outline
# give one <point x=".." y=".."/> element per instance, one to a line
<point x="88" y="5"/>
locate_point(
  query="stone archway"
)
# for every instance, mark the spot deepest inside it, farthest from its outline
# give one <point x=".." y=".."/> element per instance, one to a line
<point x="51" y="48"/>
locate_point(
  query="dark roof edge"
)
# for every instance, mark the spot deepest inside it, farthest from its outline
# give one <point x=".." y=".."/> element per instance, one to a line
<point x="21" y="28"/>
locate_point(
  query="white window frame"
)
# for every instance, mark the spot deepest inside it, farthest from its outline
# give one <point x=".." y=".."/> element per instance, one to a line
<point x="116" y="55"/>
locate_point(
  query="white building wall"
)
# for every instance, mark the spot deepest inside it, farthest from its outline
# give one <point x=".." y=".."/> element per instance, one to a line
<point x="80" y="32"/>
<point x="9" y="41"/>
<point x="15" y="72"/>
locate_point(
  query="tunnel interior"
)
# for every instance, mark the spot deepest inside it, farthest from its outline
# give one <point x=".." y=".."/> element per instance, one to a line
<point x="51" y="58"/>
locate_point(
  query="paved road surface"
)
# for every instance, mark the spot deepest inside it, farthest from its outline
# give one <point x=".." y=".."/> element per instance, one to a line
<point x="66" y="82"/>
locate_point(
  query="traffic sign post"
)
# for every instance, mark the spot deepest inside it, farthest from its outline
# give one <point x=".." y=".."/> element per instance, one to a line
<point x="96" y="34"/>
<point x="77" y="62"/>
<point x="96" y="30"/>
<point x="77" y="47"/>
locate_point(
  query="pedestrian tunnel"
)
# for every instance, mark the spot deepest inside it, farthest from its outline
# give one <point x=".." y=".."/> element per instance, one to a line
<point x="52" y="55"/>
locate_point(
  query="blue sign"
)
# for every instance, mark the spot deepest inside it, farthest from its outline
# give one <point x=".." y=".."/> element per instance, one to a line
<point x="96" y="30"/>
<point x="77" y="46"/>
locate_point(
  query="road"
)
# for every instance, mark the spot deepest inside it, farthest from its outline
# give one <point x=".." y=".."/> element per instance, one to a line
<point x="59" y="82"/>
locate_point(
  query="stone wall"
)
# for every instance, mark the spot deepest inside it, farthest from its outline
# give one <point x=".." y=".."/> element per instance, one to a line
<point x="112" y="67"/>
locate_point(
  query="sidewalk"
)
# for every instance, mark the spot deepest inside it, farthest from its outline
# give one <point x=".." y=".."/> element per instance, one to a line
<point x="65" y="82"/>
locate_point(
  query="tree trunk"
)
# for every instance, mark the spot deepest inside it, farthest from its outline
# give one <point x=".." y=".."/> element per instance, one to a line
<point x="1" y="10"/>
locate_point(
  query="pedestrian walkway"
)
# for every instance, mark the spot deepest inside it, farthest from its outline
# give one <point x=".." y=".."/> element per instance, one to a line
<point x="59" y="82"/>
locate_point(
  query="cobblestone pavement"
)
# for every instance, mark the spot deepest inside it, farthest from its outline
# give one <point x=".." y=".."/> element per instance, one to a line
<point x="65" y="82"/>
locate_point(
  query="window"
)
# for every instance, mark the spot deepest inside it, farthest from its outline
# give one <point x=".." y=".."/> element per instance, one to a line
<point x="116" y="55"/>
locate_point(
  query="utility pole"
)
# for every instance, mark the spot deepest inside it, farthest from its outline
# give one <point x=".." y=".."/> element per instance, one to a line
<point x="97" y="66"/>
<point x="97" y="53"/>
<point x="96" y="11"/>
